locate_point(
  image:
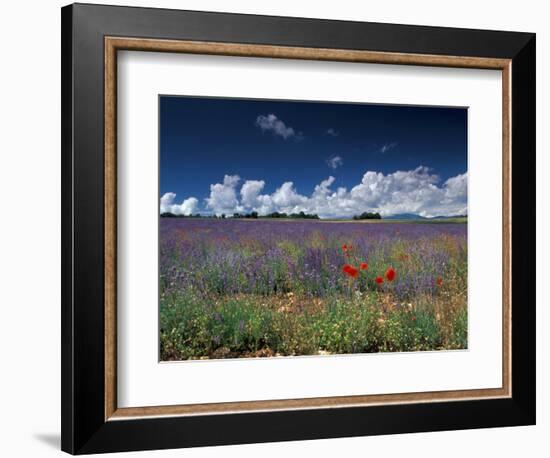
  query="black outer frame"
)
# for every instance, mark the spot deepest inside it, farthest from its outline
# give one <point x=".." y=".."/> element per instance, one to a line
<point x="84" y="429"/>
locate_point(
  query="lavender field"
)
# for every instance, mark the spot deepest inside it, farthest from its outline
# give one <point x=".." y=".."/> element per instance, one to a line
<point x="234" y="288"/>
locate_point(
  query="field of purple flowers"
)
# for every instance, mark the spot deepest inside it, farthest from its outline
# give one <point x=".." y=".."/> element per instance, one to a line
<point x="250" y="288"/>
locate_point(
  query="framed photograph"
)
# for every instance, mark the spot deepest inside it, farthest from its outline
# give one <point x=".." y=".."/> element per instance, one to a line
<point x="281" y="229"/>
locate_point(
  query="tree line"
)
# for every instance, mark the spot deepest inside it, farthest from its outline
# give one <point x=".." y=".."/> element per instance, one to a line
<point x="253" y="215"/>
<point x="300" y="215"/>
<point x="367" y="215"/>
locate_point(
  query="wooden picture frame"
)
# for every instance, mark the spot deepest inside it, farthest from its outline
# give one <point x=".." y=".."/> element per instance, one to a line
<point x="91" y="37"/>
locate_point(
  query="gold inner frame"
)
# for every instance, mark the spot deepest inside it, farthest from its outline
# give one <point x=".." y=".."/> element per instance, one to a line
<point x="114" y="44"/>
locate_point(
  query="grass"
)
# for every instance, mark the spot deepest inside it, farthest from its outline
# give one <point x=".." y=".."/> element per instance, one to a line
<point x="256" y="326"/>
<point x="282" y="292"/>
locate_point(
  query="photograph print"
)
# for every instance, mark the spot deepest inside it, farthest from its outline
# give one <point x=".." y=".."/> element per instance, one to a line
<point x="302" y="228"/>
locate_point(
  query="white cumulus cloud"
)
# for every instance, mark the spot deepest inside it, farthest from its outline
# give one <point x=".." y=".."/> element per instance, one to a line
<point x="252" y="199"/>
<point x="223" y="196"/>
<point x="271" y="123"/>
<point x="413" y="191"/>
<point x="335" y="161"/>
<point x="187" y="207"/>
<point x="456" y="187"/>
<point x="387" y="146"/>
<point x="417" y="191"/>
<point x="287" y="200"/>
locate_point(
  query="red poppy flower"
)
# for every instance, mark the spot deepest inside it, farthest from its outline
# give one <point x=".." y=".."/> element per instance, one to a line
<point x="344" y="247"/>
<point x="439" y="281"/>
<point x="364" y="266"/>
<point x="379" y="280"/>
<point x="390" y="274"/>
<point x="350" y="271"/>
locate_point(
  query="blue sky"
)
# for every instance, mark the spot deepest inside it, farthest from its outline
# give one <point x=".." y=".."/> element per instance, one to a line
<point x="240" y="155"/>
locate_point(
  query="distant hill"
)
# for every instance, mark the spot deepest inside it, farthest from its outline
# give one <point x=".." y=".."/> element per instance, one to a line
<point x="449" y="217"/>
<point x="405" y="216"/>
<point x="410" y="216"/>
